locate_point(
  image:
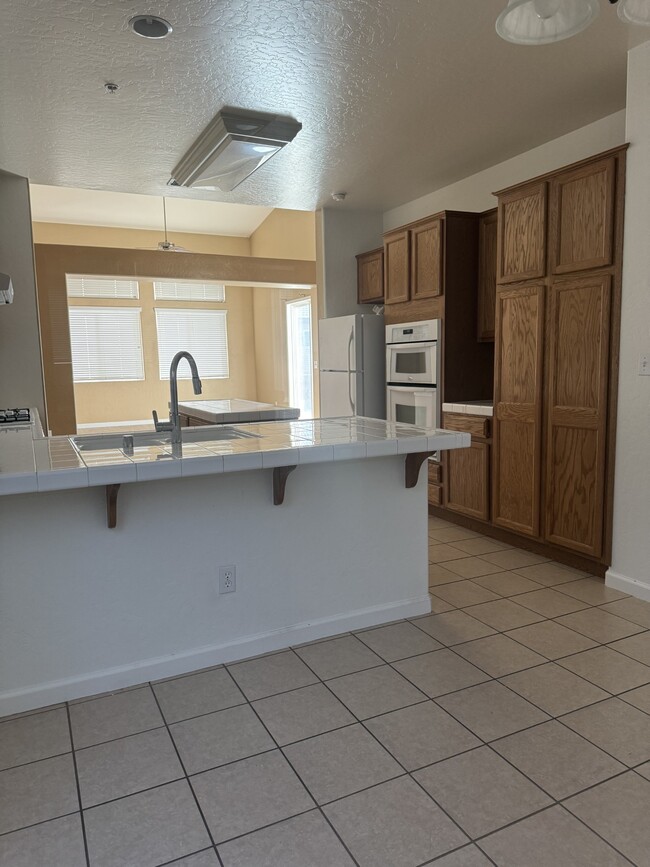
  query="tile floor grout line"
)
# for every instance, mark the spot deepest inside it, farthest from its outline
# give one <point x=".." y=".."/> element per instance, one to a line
<point x="78" y="787"/>
<point x="36" y="824"/>
<point x="598" y="834"/>
<point x="189" y="783"/>
<point x="183" y="857"/>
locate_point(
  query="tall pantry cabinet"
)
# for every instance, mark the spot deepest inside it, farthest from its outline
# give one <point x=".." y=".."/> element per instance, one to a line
<point x="559" y="259"/>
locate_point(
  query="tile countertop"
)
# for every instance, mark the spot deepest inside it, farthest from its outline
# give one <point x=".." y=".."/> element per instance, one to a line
<point x="53" y="464"/>
<point x="236" y="411"/>
<point x="472" y="407"/>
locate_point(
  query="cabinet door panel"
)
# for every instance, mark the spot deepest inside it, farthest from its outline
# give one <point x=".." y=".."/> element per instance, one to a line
<point x="517" y="408"/>
<point x="582" y="217"/>
<point x="370" y="277"/>
<point x="487" y="276"/>
<point x="396" y="267"/>
<point x="468" y="481"/>
<point x="578" y="365"/>
<point x="426" y="259"/>
<point x="522" y="234"/>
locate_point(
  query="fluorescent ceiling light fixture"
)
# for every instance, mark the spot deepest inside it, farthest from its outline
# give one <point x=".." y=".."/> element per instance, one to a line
<point x="634" y="11"/>
<point x="231" y="148"/>
<point x="537" y="22"/>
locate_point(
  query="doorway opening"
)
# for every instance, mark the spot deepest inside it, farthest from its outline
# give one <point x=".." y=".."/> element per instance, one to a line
<point x="300" y="356"/>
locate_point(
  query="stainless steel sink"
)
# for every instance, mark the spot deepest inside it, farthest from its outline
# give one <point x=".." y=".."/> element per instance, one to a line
<point x="142" y="439"/>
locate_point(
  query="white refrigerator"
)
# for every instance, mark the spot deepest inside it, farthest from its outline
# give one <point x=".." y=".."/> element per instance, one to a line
<point x="352" y="361"/>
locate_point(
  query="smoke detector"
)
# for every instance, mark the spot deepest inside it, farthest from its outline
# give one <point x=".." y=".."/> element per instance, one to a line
<point x="339" y="197"/>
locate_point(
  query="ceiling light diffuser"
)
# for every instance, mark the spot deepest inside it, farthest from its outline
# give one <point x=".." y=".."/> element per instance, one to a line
<point x="537" y="22"/>
<point x="231" y="148"/>
<point x="634" y="11"/>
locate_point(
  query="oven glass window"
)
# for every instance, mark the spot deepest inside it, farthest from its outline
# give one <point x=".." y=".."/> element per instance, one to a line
<point x="411" y="414"/>
<point x="411" y="362"/>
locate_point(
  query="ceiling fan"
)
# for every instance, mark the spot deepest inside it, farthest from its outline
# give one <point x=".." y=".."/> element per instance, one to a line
<point x="167" y="245"/>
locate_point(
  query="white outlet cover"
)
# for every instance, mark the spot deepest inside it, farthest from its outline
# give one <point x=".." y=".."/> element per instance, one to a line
<point x="644" y="365"/>
<point x="227" y="579"/>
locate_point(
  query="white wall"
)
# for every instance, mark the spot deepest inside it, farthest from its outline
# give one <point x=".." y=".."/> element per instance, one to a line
<point x="474" y="193"/>
<point x="21" y="373"/>
<point x="631" y="543"/>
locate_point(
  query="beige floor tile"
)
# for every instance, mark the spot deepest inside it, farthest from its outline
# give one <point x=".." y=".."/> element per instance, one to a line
<point x="195" y="694"/>
<point x="616" y="727"/>
<point x="481" y="791"/>
<point x="639" y="698"/>
<point x="451" y="534"/>
<point x="599" y="625"/>
<point x="491" y="710"/>
<point x="558" y="760"/>
<point x="550" y="574"/>
<point x="207" y="858"/>
<point x="472" y="567"/>
<point x="146" y="829"/>
<point x="440" y="672"/>
<point x="115" y="716"/>
<point x="551" y="639"/>
<point x="438" y="605"/>
<point x="608" y="669"/>
<point x="550" y="603"/>
<point x="395" y="823"/>
<point x="553" y="689"/>
<point x="37" y="736"/>
<point x="444" y="553"/>
<point x="242" y="797"/>
<point x="464" y="593"/>
<point x="480" y="545"/>
<point x="341" y="762"/>
<point x="439" y="574"/>
<point x="339" y="656"/>
<point x="618" y="810"/>
<point x="498" y="655"/>
<point x="378" y="690"/>
<point x="397" y="641"/>
<point x="453" y="627"/>
<point x="125" y="766"/>
<point x="268" y="675"/>
<point x="636" y="610"/>
<point x="552" y="838"/>
<point x="217" y="738"/>
<point x="303" y="840"/>
<point x="306" y="712"/>
<point x="59" y="842"/>
<point x="421" y="734"/>
<point x="637" y="647"/>
<point x="507" y="583"/>
<point x="591" y="590"/>
<point x="37" y="792"/>
<point x="504" y="614"/>
<point x="644" y="770"/>
<point x="468" y="856"/>
<point x="514" y="558"/>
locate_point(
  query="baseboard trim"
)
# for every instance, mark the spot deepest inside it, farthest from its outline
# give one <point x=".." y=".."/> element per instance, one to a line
<point x="627" y="585"/>
<point x="110" y="679"/>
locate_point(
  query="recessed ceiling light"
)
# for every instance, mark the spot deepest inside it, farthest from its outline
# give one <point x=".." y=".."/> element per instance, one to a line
<point x="150" y="26"/>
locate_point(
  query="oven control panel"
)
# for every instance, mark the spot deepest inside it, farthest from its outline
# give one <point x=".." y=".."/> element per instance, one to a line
<point x="413" y="332"/>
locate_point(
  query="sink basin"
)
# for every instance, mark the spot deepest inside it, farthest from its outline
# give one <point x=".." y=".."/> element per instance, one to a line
<point x="142" y="439"/>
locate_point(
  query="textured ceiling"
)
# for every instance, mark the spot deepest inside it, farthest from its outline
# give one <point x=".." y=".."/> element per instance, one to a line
<point x="396" y="97"/>
<point x="130" y="210"/>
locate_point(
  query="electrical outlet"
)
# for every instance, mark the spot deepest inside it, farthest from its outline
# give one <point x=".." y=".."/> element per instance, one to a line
<point x="227" y="579"/>
<point x="644" y="365"/>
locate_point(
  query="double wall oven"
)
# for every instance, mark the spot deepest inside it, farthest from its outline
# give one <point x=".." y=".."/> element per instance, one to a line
<point x="412" y="370"/>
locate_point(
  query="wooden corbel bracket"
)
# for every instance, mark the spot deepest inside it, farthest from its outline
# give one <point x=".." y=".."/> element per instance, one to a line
<point x="414" y="463"/>
<point x="111" y="506"/>
<point x="280" y="476"/>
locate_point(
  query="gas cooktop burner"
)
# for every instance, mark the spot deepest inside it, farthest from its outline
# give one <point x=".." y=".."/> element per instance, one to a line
<point x="15" y="416"/>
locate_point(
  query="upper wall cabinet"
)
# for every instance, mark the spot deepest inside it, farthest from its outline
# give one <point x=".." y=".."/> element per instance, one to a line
<point x="522" y="234"/>
<point x="487" y="275"/>
<point x="582" y="217"/>
<point x="426" y="259"/>
<point x="396" y="266"/>
<point x="370" y="277"/>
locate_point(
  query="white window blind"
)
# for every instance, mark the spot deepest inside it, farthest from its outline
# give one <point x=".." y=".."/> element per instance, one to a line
<point x="203" y="333"/>
<point x="106" y="344"/>
<point x="165" y="290"/>
<point x="101" y="287"/>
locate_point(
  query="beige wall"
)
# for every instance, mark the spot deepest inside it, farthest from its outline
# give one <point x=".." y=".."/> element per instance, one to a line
<point x="286" y="235"/>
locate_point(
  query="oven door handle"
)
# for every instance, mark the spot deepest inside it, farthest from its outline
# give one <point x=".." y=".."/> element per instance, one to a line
<point x="350" y="339"/>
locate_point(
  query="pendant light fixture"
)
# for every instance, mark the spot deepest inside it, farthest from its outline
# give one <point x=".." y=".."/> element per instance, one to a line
<point x="537" y="22"/>
<point x="634" y="11"/>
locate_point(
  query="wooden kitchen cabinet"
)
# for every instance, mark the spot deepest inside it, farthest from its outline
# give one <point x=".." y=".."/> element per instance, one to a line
<point x="370" y="277"/>
<point x="487" y="275"/>
<point x="426" y="259"/>
<point x="397" y="272"/>
<point x="467" y="481"/>
<point x="522" y="233"/>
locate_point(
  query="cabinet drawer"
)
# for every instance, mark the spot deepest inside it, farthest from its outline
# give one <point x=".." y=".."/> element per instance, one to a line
<point x="476" y="425"/>
<point x="435" y="495"/>
<point x="435" y="473"/>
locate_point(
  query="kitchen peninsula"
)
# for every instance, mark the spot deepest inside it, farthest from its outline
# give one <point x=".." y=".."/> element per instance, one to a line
<point x="347" y="547"/>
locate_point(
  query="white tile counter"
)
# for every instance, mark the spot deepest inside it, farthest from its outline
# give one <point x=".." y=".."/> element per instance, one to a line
<point x="472" y="407"/>
<point x="29" y="464"/>
<point x="236" y="411"/>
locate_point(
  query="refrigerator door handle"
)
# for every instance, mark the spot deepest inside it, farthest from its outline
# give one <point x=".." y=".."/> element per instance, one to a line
<point x="350" y="340"/>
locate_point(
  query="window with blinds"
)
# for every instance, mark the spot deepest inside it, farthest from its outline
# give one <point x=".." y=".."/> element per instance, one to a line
<point x="101" y="287"/>
<point x="106" y="344"/>
<point x="203" y="333"/>
<point x="165" y="290"/>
